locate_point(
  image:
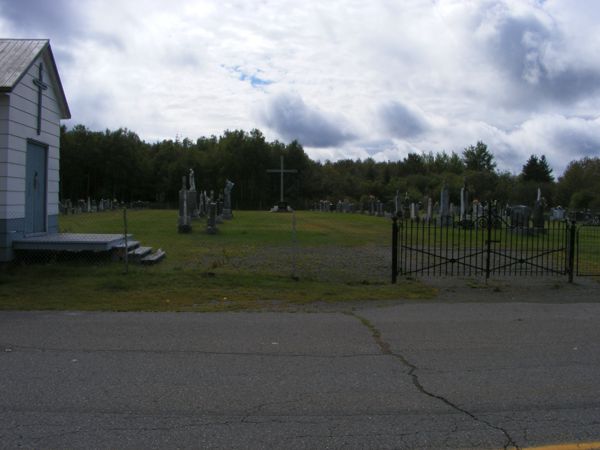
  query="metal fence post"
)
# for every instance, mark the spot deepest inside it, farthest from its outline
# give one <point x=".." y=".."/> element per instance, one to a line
<point x="572" y="239"/>
<point x="294" y="247"/>
<point x="126" y="256"/>
<point x="394" y="249"/>
<point x="489" y="241"/>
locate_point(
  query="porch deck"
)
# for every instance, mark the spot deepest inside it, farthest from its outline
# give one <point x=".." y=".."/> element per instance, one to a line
<point x="72" y="242"/>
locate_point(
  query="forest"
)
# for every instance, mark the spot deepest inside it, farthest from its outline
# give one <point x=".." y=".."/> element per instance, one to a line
<point x="119" y="165"/>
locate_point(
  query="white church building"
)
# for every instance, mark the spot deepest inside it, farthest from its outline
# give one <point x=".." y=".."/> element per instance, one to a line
<point x="32" y="104"/>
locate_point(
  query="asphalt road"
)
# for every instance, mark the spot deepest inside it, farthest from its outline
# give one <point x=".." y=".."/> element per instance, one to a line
<point x="407" y="376"/>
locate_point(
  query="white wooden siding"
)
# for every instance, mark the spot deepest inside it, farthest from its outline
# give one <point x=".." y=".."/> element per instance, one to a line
<point x="11" y="156"/>
<point x="12" y="170"/>
<point x="20" y="108"/>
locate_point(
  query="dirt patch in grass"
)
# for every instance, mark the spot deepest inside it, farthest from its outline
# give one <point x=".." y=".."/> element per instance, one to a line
<point x="516" y="289"/>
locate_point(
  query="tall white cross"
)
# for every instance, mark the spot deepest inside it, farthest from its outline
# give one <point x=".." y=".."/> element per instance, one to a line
<point x="281" y="171"/>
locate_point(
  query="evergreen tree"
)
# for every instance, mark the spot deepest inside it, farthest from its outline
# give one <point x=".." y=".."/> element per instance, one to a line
<point x="537" y="169"/>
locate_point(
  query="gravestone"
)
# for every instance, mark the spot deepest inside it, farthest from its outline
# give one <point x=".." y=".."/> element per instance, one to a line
<point x="519" y="217"/>
<point x="537" y="215"/>
<point x="202" y="204"/>
<point x="346" y="206"/>
<point x="219" y="217"/>
<point x="557" y="213"/>
<point x="211" y="221"/>
<point x="184" y="224"/>
<point x="445" y="217"/>
<point x="429" y="210"/>
<point x="414" y="211"/>
<point x="192" y="196"/>
<point x="227" y="212"/>
<point x="406" y="207"/>
<point x="397" y="205"/>
<point x="464" y="203"/>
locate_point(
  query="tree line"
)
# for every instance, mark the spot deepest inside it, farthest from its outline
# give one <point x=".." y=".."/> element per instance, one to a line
<point x="119" y="165"/>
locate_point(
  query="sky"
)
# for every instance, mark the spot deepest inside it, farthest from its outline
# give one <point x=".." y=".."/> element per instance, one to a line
<point x="347" y="79"/>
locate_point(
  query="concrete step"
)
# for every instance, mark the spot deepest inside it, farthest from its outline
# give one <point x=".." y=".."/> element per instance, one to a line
<point x="154" y="258"/>
<point x="138" y="253"/>
<point x="118" y="249"/>
<point x="131" y="244"/>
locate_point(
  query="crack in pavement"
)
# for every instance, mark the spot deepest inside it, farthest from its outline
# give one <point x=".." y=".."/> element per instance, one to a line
<point x="385" y="349"/>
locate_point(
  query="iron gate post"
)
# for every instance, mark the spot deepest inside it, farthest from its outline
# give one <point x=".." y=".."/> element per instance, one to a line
<point x="572" y="235"/>
<point x="489" y="242"/>
<point x="394" y="249"/>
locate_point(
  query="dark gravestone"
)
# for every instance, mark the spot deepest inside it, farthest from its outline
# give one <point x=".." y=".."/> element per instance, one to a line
<point x="211" y="221"/>
<point x="406" y="207"/>
<point x="227" y="212"/>
<point x="519" y="216"/>
<point x="219" y="217"/>
<point x="202" y="204"/>
<point x="537" y="216"/>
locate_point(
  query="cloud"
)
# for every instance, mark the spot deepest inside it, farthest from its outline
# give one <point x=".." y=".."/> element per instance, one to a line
<point x="292" y="119"/>
<point x="526" y="44"/>
<point x="368" y="78"/>
<point x="560" y="138"/>
<point x="41" y="18"/>
<point x="401" y="121"/>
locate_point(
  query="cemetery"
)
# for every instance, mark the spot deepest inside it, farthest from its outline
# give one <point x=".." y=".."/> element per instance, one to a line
<point x="226" y="250"/>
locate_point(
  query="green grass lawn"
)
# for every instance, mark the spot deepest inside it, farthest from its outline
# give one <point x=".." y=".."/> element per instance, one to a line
<point x="254" y="262"/>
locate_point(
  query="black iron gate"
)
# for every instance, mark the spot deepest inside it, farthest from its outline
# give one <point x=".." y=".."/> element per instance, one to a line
<point x="482" y="245"/>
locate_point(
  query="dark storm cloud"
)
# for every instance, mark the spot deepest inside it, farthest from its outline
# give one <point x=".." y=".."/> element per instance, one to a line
<point x="41" y="18"/>
<point x="519" y="48"/>
<point x="292" y="119"/>
<point x="400" y="121"/>
<point x="577" y="142"/>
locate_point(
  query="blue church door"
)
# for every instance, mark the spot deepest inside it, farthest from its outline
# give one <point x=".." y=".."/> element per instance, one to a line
<point x="35" y="189"/>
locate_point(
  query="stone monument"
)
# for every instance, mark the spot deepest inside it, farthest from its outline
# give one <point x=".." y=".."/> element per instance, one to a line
<point x="537" y="216"/>
<point x="192" y="196"/>
<point x="429" y="211"/>
<point x="184" y="224"/>
<point x="519" y="217"/>
<point x="227" y="212"/>
<point x="406" y="206"/>
<point x="282" y="206"/>
<point x="211" y="221"/>
<point x="445" y="218"/>
<point x="464" y="203"/>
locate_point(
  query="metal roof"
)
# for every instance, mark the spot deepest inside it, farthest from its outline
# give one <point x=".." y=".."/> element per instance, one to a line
<point x="17" y="56"/>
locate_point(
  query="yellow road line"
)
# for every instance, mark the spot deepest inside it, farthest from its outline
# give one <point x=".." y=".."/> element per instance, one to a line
<point x="573" y="446"/>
